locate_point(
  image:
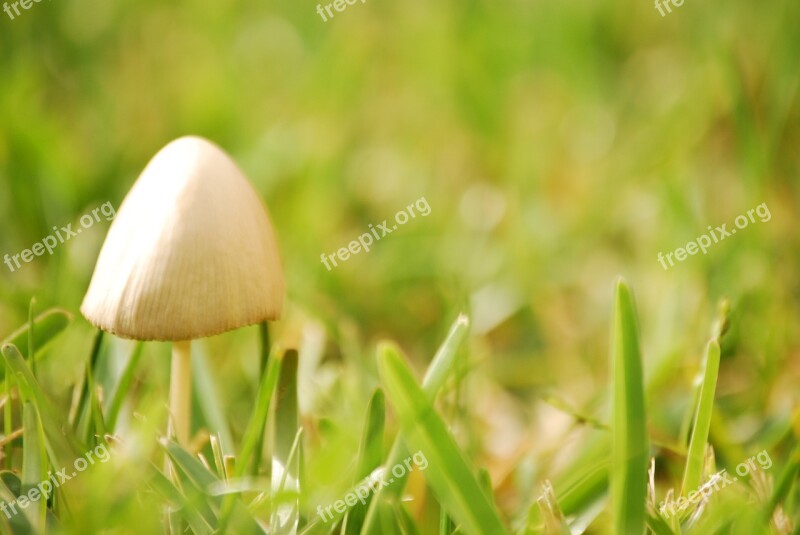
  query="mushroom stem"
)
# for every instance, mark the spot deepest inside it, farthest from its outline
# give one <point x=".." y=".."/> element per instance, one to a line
<point x="180" y="390"/>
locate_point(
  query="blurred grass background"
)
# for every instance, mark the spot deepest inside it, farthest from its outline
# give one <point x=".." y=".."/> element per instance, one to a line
<point x="558" y="145"/>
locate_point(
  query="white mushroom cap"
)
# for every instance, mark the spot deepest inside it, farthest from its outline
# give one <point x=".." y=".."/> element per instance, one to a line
<point x="190" y="253"/>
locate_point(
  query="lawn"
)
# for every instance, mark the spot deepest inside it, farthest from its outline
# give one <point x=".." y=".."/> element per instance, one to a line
<point x="459" y="268"/>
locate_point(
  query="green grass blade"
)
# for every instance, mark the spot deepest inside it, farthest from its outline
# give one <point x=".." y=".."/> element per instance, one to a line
<point x="628" y="478"/>
<point x="369" y="457"/>
<point x="219" y="462"/>
<point x="83" y="410"/>
<point x="448" y="472"/>
<point x="193" y="479"/>
<point x="285" y="460"/>
<point x="442" y="366"/>
<point x="201" y="486"/>
<point x="169" y="492"/>
<point x="10" y="488"/>
<point x="255" y="427"/>
<point x="445" y="524"/>
<point x="96" y="427"/>
<point x="443" y="363"/>
<point x="657" y="525"/>
<point x="693" y="474"/>
<point x="371" y="448"/>
<point x="404" y="520"/>
<point x="8" y="422"/>
<point x="31" y="335"/>
<point x="210" y="402"/>
<point x="62" y="447"/>
<point x="47" y="326"/>
<point x="545" y="514"/>
<point x="263" y="362"/>
<point x="123" y="387"/>
<point x="787" y="478"/>
<point x="34" y="463"/>
<point x="201" y="476"/>
<point x="332" y="517"/>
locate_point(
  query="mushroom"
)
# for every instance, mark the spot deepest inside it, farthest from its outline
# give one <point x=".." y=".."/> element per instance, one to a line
<point x="191" y="253"/>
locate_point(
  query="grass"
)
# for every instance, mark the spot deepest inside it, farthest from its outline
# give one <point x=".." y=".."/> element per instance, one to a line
<point x="629" y="448"/>
<point x="454" y="492"/>
<point x="559" y="145"/>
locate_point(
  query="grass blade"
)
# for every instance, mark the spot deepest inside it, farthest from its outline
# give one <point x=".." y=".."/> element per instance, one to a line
<point x="190" y="465"/>
<point x="31" y="335"/>
<point x="448" y="473"/>
<point x="165" y="488"/>
<point x="47" y="326"/>
<point x="34" y="463"/>
<point x="369" y="457"/>
<point x="629" y="448"/>
<point x="62" y="447"/>
<point x="442" y="366"/>
<point x="123" y="386"/>
<point x="255" y="427"/>
<point x="693" y="474"/>
<point x="210" y="403"/>
<point x="285" y="461"/>
<point x="83" y="410"/>
<point x="784" y="484"/>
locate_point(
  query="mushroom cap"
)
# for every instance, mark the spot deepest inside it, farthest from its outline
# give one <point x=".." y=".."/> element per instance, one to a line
<point x="190" y="253"/>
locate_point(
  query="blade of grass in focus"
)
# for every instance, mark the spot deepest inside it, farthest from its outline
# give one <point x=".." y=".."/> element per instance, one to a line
<point x="286" y="455"/>
<point x="448" y="473"/>
<point x="628" y="478"/>
<point x="369" y="457"/>
<point x="693" y="475"/>
<point x="201" y="487"/>
<point x="255" y="427"/>
<point x="442" y="366"/>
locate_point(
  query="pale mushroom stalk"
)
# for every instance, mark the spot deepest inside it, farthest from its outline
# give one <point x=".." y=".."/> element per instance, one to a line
<point x="180" y="390"/>
<point x="191" y="253"/>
